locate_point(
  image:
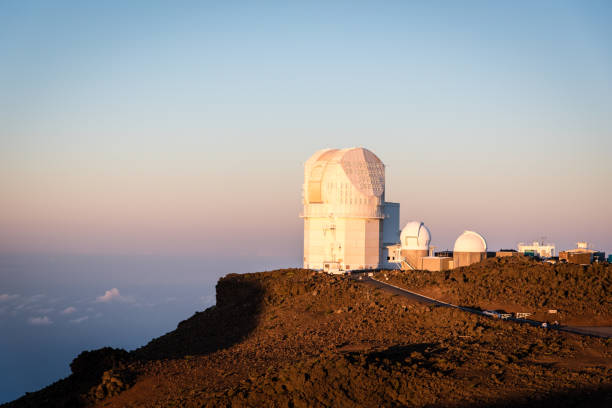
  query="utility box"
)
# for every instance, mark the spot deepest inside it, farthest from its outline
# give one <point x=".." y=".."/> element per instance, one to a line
<point x="436" y="263"/>
<point x="576" y="257"/>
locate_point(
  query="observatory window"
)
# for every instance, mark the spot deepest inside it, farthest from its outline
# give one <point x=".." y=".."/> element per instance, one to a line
<point x="314" y="192"/>
<point x="314" y="185"/>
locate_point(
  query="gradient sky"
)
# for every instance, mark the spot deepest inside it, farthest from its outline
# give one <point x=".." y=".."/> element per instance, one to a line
<point x="152" y="127"/>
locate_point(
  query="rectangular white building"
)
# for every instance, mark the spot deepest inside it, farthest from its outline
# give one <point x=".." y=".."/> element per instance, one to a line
<point x="541" y="249"/>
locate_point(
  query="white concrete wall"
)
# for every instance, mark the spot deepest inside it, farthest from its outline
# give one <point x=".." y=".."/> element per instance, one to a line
<point x="354" y="243"/>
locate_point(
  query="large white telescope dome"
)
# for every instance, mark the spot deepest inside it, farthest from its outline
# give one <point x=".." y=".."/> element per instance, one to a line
<point x="357" y="166"/>
<point x="415" y="236"/>
<point x="344" y="182"/>
<point x="470" y="241"/>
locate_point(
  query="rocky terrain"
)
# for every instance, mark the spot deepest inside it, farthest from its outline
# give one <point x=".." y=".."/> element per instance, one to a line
<point x="294" y="338"/>
<point x="581" y="294"/>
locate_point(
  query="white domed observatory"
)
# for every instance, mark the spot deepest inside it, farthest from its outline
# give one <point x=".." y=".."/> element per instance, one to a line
<point x="414" y="240"/>
<point x="470" y="248"/>
<point x="346" y="219"/>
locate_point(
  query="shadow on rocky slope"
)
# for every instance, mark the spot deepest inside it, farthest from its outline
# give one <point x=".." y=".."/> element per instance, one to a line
<point x="105" y="372"/>
<point x="413" y="375"/>
<point x="297" y="338"/>
<point x="591" y="397"/>
<point x="234" y="317"/>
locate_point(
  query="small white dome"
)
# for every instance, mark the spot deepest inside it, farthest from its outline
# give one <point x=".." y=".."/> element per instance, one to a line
<point x="415" y="235"/>
<point x="470" y="241"/>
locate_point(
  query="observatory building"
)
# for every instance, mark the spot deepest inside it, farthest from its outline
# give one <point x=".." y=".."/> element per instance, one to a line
<point x="349" y="226"/>
<point x="537" y="248"/>
<point x="413" y="246"/>
<point x="415" y="239"/>
<point x="582" y="254"/>
<point x="347" y="222"/>
<point x="470" y="248"/>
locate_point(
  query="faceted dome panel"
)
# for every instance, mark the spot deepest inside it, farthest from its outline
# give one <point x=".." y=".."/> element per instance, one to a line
<point x="364" y="170"/>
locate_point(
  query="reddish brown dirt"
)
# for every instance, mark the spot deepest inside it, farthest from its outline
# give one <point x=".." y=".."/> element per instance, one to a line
<point x="581" y="294"/>
<point x="298" y="339"/>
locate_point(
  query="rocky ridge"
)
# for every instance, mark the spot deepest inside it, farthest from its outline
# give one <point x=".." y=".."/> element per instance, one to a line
<point x="297" y="338"/>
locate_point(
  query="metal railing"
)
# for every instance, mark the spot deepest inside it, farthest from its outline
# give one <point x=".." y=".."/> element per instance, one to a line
<point x="324" y="211"/>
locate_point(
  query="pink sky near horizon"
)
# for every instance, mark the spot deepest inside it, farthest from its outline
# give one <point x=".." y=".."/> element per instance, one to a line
<point x="149" y="128"/>
<point x="251" y="207"/>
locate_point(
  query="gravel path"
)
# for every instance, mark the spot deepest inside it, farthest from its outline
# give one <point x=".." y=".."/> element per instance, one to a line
<point x="601" y="331"/>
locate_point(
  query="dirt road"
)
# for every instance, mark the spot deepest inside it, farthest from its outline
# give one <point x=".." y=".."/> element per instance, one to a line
<point x="586" y="331"/>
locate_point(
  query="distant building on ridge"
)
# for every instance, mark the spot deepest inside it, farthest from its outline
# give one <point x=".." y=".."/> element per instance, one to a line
<point x="582" y="254"/>
<point x="537" y="249"/>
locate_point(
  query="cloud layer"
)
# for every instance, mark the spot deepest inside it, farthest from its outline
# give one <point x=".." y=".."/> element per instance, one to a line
<point x="40" y="321"/>
<point x="109" y="296"/>
<point x="5" y="297"/>
<point x="68" y="310"/>
<point x="79" y="320"/>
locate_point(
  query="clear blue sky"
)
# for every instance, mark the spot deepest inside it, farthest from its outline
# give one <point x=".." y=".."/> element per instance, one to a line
<point x="139" y="127"/>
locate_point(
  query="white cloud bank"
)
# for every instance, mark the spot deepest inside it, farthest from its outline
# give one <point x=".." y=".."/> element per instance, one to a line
<point x="68" y="310"/>
<point x="79" y="320"/>
<point x="40" y="321"/>
<point x="109" y="296"/>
